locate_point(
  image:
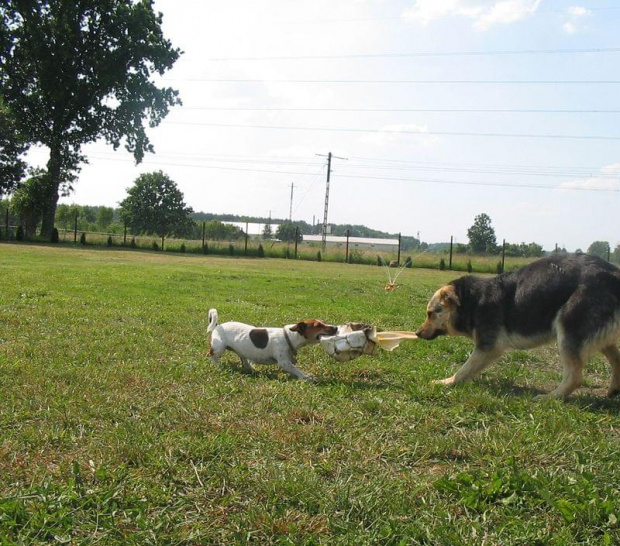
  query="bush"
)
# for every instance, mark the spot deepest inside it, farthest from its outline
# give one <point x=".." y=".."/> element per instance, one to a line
<point x="409" y="263"/>
<point x="260" y="252"/>
<point x="55" y="236"/>
<point x="133" y="243"/>
<point x="442" y="265"/>
<point x="231" y="249"/>
<point x="83" y="239"/>
<point x="499" y="268"/>
<point x="19" y="234"/>
<point x="379" y="261"/>
<point x="469" y="266"/>
<point x="205" y="249"/>
<point x="109" y="240"/>
<point x="182" y="249"/>
<point x="155" y="246"/>
<point x="318" y="256"/>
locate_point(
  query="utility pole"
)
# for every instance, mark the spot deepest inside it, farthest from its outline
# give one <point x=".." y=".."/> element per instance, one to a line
<point x="329" y="170"/>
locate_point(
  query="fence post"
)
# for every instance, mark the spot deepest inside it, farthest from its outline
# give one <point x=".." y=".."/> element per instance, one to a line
<point x="450" y="262"/>
<point x="75" y="228"/>
<point x="346" y="256"/>
<point x="296" y="239"/>
<point x="398" y="257"/>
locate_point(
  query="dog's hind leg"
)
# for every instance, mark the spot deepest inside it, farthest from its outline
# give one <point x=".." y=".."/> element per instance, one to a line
<point x="572" y="373"/>
<point x="612" y="354"/>
<point x="246" y="364"/>
<point x="476" y="362"/>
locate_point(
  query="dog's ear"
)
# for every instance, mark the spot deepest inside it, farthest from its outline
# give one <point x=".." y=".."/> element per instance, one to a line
<point x="448" y="295"/>
<point x="300" y="327"/>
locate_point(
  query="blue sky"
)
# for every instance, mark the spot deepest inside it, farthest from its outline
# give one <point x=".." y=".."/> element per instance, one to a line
<point x="436" y="150"/>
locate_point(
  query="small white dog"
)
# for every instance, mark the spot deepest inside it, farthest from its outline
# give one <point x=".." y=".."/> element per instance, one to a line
<point x="265" y="345"/>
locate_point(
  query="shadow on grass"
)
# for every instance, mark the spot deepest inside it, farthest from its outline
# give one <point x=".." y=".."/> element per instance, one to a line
<point x="505" y="387"/>
<point x="596" y="404"/>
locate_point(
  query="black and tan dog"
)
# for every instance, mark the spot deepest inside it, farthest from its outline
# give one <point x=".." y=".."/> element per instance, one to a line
<point x="574" y="299"/>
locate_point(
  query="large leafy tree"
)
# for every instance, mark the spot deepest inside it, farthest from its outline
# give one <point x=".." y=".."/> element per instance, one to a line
<point x="155" y="204"/>
<point x="482" y="235"/>
<point x="77" y="71"/>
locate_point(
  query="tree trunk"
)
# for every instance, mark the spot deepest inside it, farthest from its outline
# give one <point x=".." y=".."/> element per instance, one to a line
<point x="51" y="195"/>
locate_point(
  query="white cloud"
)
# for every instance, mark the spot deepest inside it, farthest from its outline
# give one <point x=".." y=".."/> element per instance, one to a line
<point x="484" y="14"/>
<point x="401" y="133"/>
<point x="607" y="179"/>
<point x="576" y="17"/>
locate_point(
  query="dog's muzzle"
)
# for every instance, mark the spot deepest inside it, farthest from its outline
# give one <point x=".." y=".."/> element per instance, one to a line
<point x="423" y="334"/>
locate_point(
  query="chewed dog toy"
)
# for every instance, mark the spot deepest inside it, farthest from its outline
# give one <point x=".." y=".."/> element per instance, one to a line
<point x="356" y="339"/>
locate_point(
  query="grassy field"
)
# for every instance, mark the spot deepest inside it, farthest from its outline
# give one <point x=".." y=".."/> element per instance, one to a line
<point x="116" y="429"/>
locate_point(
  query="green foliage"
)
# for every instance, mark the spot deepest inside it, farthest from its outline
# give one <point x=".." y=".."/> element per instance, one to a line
<point x="154" y="204"/>
<point x="12" y="148"/>
<point x="286" y="232"/>
<point x="55" y="239"/>
<point x="27" y="201"/>
<point x="91" y="61"/>
<point x="267" y="232"/>
<point x="442" y="264"/>
<point x="469" y="266"/>
<point x="482" y="235"/>
<point x="600" y="249"/>
<point x="83" y="239"/>
<point x="218" y="231"/>
<point x="261" y="251"/>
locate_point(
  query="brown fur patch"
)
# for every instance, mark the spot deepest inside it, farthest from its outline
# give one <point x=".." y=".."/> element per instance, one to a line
<point x="260" y="337"/>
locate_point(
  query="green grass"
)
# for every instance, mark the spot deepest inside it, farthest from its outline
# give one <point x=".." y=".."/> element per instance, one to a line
<point x="116" y="429"/>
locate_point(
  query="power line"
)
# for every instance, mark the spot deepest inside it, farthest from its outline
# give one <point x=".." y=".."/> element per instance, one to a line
<point x="400" y="132"/>
<point x="380" y="178"/>
<point x="402" y="110"/>
<point x="507" y="52"/>
<point x="396" y="82"/>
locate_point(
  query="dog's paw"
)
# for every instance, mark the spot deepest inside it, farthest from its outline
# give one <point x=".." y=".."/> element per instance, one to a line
<point x="446" y="381"/>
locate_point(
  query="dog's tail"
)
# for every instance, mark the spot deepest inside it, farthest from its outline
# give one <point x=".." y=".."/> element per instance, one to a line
<point x="213" y="320"/>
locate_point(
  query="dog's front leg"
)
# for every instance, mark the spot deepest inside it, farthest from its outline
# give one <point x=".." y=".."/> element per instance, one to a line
<point x="476" y="362"/>
<point x="290" y="367"/>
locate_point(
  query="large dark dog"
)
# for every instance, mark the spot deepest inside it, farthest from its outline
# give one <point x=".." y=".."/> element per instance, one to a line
<point x="574" y="299"/>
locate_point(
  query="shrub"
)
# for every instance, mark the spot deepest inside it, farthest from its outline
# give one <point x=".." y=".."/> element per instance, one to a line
<point x="442" y="265"/>
<point x="182" y="249"/>
<point x="409" y="263"/>
<point x="19" y="234"/>
<point x="109" y="240"/>
<point x="231" y="249"/>
<point x="83" y="239"/>
<point x="55" y="236"/>
<point x="499" y="268"/>
<point x="318" y="256"/>
<point x="155" y="246"/>
<point x="133" y="243"/>
<point x="205" y="249"/>
<point x="469" y="266"/>
<point x="379" y="261"/>
<point x="260" y="252"/>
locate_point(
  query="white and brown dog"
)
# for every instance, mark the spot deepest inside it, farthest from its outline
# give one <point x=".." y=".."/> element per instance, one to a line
<point x="265" y="345"/>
